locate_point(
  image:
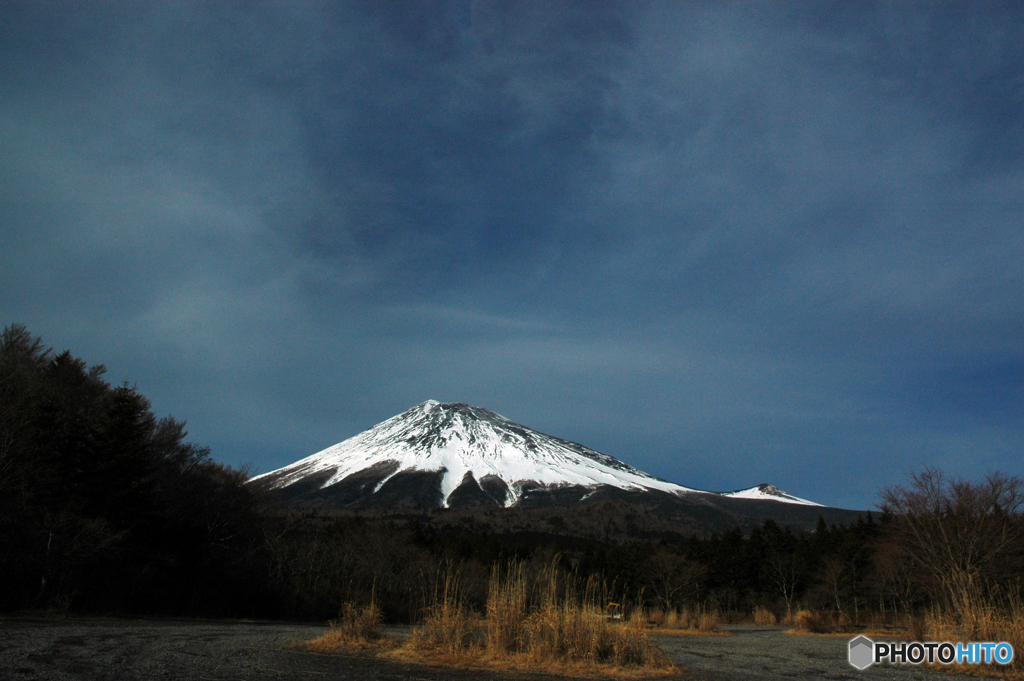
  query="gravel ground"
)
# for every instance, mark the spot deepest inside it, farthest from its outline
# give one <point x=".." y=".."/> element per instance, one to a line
<point x="141" y="650"/>
<point x="102" y="649"/>
<point x="754" y="652"/>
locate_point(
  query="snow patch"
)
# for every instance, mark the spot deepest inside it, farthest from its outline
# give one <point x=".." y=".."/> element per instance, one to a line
<point x="768" y="493"/>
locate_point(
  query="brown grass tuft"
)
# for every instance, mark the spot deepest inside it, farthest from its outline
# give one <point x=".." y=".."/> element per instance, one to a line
<point x="355" y="628"/>
<point x="809" y="621"/>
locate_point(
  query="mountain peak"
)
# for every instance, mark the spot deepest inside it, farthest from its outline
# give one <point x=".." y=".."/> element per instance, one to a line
<point x="465" y="445"/>
<point x="767" y="491"/>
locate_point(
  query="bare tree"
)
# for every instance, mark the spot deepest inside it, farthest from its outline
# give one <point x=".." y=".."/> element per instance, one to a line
<point x="959" y="532"/>
<point x="833" y="575"/>
<point x="674" y="578"/>
<point x="896" y="576"/>
<point x="781" y="571"/>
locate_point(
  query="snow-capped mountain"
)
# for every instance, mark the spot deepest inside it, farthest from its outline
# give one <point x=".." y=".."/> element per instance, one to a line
<point x="455" y="454"/>
<point x="770" y="492"/>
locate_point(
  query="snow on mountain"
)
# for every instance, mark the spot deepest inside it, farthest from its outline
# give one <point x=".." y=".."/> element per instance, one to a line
<point x="467" y="444"/>
<point x="770" y="492"/>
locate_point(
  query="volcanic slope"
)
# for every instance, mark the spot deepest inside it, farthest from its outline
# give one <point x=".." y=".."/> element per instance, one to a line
<point x="457" y="455"/>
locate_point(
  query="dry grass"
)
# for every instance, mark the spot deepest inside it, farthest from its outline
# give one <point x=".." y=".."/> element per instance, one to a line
<point x="544" y="626"/>
<point x="448" y="626"/>
<point x="814" y="622"/>
<point x="692" y="621"/>
<point x="763" y="617"/>
<point x="981" y="623"/>
<point x="507" y="610"/>
<point x="356" y="628"/>
<point x="562" y="625"/>
<point x="978" y="623"/>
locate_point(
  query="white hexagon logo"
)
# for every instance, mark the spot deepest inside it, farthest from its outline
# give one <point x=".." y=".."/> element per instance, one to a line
<point x="862" y="652"/>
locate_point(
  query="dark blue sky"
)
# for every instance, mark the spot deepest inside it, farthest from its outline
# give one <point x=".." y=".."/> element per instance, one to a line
<point x="727" y="243"/>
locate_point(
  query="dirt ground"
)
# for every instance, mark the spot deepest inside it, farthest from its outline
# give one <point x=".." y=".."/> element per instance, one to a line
<point x="119" y="649"/>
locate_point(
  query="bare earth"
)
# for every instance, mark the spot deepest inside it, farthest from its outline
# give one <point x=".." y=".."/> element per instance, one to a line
<point x="119" y="649"/>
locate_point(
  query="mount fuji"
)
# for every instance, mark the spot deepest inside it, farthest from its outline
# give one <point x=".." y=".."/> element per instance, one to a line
<point x="457" y="455"/>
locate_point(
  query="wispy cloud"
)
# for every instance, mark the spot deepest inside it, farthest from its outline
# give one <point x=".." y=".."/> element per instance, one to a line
<point x="728" y="243"/>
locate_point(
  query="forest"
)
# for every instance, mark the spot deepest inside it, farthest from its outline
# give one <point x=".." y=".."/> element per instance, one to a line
<point x="107" y="508"/>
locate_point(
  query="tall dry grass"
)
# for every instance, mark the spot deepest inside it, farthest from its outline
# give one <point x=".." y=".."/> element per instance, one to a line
<point x="561" y="623"/>
<point x="448" y="626"/>
<point x="507" y="610"/>
<point x="548" y="623"/>
<point x="981" y="622"/>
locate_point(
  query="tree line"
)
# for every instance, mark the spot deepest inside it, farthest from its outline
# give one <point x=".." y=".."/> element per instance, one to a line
<point x="104" y="507"/>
